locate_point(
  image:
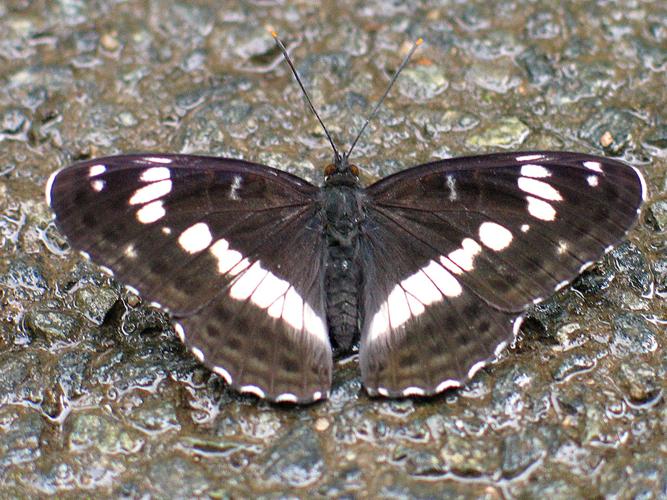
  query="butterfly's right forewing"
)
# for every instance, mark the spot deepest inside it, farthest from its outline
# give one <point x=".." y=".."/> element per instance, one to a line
<point x="213" y="241"/>
<point x="455" y="252"/>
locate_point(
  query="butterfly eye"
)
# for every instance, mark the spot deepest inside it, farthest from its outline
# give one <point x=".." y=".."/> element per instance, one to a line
<point x="355" y="170"/>
<point x="329" y="169"/>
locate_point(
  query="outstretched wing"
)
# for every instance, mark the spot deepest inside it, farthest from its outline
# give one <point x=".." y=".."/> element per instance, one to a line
<point x="213" y="241"/>
<point x="456" y="250"/>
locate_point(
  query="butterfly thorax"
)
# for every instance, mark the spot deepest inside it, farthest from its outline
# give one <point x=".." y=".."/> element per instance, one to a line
<point x="343" y="215"/>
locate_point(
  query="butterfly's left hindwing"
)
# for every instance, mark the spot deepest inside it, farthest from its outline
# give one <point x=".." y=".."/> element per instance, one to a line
<point x="210" y="239"/>
<point x="456" y="250"/>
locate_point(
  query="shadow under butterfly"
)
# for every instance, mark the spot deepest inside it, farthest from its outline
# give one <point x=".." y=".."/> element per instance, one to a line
<point x="266" y="276"/>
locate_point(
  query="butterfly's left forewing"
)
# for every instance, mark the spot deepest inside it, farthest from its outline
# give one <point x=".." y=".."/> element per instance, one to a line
<point x="212" y="240"/>
<point x="456" y="250"/>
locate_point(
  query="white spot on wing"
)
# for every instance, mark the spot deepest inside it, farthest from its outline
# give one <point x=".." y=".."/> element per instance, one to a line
<point x="443" y="279"/>
<point x="596" y="166"/>
<point x="151" y="212"/>
<point x="451" y="184"/>
<point x="293" y="309"/>
<point x="525" y="228"/>
<point x="314" y="324"/>
<point x="422" y="288"/>
<point x="269" y="290"/>
<point x="495" y="236"/>
<point x="98" y="185"/>
<point x="151" y="192"/>
<point x="413" y="391"/>
<point x="275" y="310"/>
<point x="408" y="298"/>
<point x="130" y="252"/>
<point x="462" y="257"/>
<point x="539" y="188"/>
<point x="399" y="309"/>
<point x="286" y="397"/>
<point x="198" y="354"/>
<point x="500" y="347"/>
<point x="643" y="184"/>
<point x="561" y="285"/>
<point x="240" y="267"/>
<point x="537" y="171"/>
<point x="195" y="238"/>
<point x="529" y="157"/>
<point x="226" y="257"/>
<point x="234" y="188"/>
<point x="253" y="389"/>
<point x="592" y="180"/>
<point x="166" y="230"/>
<point x="248" y="282"/>
<point x="49" y="186"/>
<point x="157" y="159"/>
<point x="96" y="170"/>
<point x="585" y="266"/>
<point x="179" y="331"/>
<point x="155" y="174"/>
<point x="447" y="384"/>
<point x="379" y="324"/>
<point x="223" y="373"/>
<point x="562" y="247"/>
<point x="516" y="326"/>
<point x="540" y="209"/>
<point x="475" y="368"/>
<point x="106" y="270"/>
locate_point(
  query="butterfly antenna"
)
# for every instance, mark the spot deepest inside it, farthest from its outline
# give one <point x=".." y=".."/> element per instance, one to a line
<point x="303" y="89"/>
<point x="379" y="103"/>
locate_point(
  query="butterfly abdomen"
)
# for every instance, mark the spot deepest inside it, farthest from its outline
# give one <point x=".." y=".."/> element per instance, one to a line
<point x="342" y="281"/>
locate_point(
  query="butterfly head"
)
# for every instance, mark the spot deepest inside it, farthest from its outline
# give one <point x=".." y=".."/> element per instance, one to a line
<point x="341" y="172"/>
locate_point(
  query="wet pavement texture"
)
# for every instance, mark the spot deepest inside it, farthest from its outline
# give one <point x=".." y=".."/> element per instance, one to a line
<point x="99" y="398"/>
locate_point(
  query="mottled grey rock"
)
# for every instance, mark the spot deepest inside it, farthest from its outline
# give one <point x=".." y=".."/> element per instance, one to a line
<point x="174" y="476"/>
<point x="619" y="124"/>
<point x="95" y="302"/>
<point x="24" y="280"/>
<point x="658" y="210"/>
<point x="575" y="363"/>
<point x="657" y="137"/>
<point x="107" y="435"/>
<point x="422" y="83"/>
<point x="52" y="325"/>
<point x="496" y="76"/>
<point x="155" y="416"/>
<point x="295" y="460"/>
<point x="465" y="456"/>
<point x="419" y="463"/>
<point x="631" y="262"/>
<point x="520" y="452"/>
<point x="505" y="132"/>
<point x="537" y="65"/>
<point x="660" y="273"/>
<point x="20" y="436"/>
<point x="632" y="336"/>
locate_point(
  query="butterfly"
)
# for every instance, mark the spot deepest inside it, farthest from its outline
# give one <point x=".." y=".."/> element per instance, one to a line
<point x="267" y="277"/>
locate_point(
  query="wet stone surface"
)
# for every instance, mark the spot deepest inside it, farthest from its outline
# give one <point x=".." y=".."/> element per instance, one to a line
<point x="98" y="397"/>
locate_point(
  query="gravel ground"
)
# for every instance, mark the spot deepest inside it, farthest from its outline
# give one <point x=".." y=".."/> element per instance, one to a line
<point x="98" y="397"/>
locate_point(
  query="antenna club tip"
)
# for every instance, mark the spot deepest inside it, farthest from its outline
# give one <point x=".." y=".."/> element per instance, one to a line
<point x="273" y="33"/>
<point x="419" y="41"/>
